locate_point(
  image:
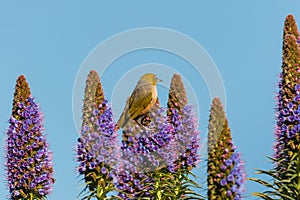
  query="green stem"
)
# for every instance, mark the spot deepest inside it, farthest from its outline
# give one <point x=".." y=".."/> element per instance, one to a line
<point x="103" y="188"/>
<point x="157" y="189"/>
<point x="32" y="197"/>
<point x="178" y="183"/>
<point x="100" y="192"/>
<point x="298" y="173"/>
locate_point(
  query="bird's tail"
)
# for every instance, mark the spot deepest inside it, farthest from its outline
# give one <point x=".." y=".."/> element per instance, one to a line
<point x="121" y="122"/>
<point x="123" y="119"/>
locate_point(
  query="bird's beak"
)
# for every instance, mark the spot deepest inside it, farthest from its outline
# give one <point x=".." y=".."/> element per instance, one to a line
<point x="159" y="80"/>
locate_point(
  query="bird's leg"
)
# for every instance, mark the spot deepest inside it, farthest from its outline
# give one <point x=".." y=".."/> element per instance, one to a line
<point x="139" y="122"/>
<point x="144" y="122"/>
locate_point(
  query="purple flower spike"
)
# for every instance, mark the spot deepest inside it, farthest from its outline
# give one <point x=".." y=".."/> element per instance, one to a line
<point x="170" y="145"/>
<point x="284" y="175"/>
<point x="29" y="170"/>
<point x="97" y="151"/>
<point x="225" y="166"/>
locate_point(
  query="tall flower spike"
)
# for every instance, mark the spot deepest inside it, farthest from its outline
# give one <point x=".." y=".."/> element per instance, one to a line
<point x="286" y="159"/>
<point x="96" y="153"/>
<point x="29" y="162"/>
<point x="177" y="95"/>
<point x="186" y="149"/>
<point x="225" y="168"/>
<point x="288" y="100"/>
<point x="186" y="136"/>
<point x="96" y="149"/>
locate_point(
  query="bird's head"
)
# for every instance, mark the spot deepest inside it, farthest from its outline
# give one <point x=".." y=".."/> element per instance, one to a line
<point x="150" y="78"/>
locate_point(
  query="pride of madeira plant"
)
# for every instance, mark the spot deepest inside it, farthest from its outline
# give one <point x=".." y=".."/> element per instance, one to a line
<point x="286" y="159"/>
<point x="225" y="168"/>
<point x="97" y="144"/>
<point x="28" y="164"/>
<point x="187" y="140"/>
<point x="157" y="160"/>
<point x="156" y="155"/>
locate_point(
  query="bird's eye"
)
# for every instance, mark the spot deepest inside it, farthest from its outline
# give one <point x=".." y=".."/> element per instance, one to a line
<point x="157" y="79"/>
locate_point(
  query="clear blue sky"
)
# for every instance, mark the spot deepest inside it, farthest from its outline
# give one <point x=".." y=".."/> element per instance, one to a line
<point x="48" y="41"/>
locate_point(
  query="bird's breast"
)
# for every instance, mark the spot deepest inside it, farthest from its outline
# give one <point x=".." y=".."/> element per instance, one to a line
<point x="153" y="100"/>
<point x="154" y="96"/>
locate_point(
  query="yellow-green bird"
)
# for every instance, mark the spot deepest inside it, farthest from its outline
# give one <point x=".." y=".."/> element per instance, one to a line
<point x="142" y="99"/>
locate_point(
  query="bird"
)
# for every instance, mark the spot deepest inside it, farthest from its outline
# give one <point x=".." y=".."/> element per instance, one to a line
<point x="142" y="99"/>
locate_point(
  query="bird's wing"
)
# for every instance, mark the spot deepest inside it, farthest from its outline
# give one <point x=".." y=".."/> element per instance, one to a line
<point x="139" y="101"/>
<point x="123" y="118"/>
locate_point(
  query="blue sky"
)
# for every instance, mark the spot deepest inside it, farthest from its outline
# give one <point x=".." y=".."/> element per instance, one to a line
<point x="48" y="42"/>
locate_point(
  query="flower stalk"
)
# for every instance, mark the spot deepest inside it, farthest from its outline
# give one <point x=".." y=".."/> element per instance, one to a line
<point x="286" y="159"/>
<point x="96" y="149"/>
<point x="225" y="168"/>
<point x="29" y="162"/>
